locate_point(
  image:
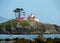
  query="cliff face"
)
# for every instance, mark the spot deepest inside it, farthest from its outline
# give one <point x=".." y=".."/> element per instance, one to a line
<point x="45" y="28"/>
<point x="14" y="27"/>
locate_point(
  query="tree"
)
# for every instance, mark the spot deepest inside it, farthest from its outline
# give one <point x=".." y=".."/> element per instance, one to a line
<point x="18" y="10"/>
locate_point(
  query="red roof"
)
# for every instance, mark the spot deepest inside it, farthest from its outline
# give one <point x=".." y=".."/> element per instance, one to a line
<point x="19" y="18"/>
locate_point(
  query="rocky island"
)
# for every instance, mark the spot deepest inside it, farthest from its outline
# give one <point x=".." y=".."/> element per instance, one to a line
<point x="29" y="25"/>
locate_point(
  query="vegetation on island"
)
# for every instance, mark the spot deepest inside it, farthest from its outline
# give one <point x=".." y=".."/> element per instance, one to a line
<point x="28" y="27"/>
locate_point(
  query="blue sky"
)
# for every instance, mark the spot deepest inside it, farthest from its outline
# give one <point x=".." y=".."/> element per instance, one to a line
<point x="47" y="11"/>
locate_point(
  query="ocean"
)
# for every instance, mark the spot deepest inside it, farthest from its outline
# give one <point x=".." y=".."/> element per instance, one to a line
<point x="31" y="37"/>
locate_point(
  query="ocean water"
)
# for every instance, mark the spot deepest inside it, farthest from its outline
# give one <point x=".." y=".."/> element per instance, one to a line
<point x="31" y="37"/>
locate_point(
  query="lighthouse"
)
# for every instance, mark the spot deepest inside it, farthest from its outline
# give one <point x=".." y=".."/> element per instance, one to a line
<point x="17" y="12"/>
<point x="32" y="17"/>
<point x="18" y="15"/>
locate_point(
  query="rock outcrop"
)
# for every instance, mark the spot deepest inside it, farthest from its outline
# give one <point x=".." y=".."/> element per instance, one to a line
<point x="27" y="26"/>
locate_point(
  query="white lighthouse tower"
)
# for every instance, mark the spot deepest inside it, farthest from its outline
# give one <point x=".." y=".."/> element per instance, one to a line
<point x="32" y="17"/>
